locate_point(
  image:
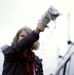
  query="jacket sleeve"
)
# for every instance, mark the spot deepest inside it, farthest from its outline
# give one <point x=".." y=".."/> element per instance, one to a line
<point x="22" y="45"/>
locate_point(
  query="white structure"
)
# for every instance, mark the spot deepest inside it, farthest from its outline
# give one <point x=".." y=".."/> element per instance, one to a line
<point x="66" y="66"/>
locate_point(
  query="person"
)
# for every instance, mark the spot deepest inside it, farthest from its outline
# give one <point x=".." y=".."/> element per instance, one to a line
<point x="19" y="58"/>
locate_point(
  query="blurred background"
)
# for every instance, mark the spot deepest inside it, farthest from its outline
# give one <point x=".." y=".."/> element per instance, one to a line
<point x="15" y="14"/>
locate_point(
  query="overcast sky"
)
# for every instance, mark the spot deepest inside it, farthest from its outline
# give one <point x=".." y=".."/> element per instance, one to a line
<point x="15" y="14"/>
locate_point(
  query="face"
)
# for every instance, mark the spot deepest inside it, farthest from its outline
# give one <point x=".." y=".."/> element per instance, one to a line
<point x="22" y="35"/>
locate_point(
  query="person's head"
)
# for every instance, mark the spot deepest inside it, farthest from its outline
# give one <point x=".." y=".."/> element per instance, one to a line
<point x="21" y="34"/>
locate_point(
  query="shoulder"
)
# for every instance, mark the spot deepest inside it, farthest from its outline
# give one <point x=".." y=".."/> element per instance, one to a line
<point x="4" y="47"/>
<point x="38" y="59"/>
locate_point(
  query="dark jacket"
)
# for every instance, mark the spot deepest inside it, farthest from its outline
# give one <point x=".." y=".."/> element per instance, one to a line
<point x="13" y="58"/>
<point x="38" y="66"/>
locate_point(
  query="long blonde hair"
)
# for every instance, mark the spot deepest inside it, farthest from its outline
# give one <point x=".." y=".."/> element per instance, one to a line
<point x="35" y="45"/>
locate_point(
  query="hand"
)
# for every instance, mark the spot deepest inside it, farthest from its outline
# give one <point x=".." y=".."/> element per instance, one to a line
<point x="40" y="27"/>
